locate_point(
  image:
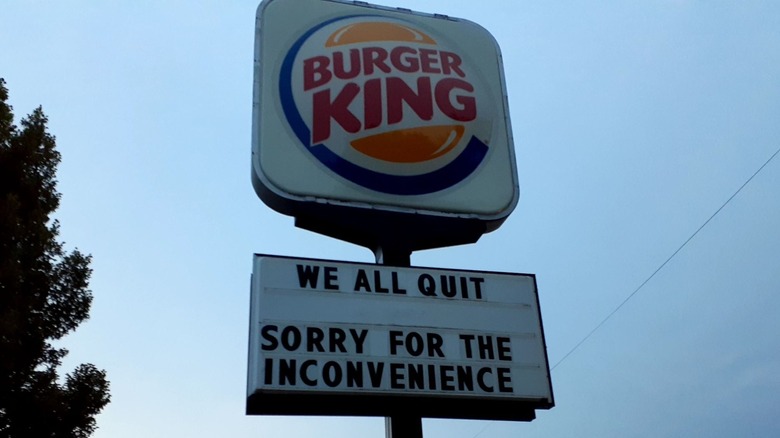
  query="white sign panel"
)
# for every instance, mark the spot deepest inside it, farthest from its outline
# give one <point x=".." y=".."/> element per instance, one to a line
<point x="360" y="105"/>
<point x="395" y="335"/>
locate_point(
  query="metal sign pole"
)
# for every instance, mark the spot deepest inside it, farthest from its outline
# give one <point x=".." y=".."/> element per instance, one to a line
<point x="405" y="426"/>
<point x="399" y="426"/>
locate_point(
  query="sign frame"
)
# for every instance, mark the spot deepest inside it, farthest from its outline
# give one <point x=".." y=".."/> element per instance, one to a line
<point x="356" y="214"/>
<point x="308" y="401"/>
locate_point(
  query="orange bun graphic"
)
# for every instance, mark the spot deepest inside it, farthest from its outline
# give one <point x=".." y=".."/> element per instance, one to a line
<point x="377" y="31"/>
<point x="410" y="145"/>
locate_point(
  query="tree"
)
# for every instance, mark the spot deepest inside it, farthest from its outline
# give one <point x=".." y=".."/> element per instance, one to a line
<point x="44" y="292"/>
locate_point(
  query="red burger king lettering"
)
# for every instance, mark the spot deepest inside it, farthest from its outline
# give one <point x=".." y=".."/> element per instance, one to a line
<point x="426" y="80"/>
<point x="317" y="68"/>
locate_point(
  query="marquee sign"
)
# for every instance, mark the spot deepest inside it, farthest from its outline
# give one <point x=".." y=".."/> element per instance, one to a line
<point x="337" y="338"/>
<point x="362" y="110"/>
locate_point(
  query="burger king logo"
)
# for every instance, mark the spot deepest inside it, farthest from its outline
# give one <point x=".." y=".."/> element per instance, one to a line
<point x="386" y="105"/>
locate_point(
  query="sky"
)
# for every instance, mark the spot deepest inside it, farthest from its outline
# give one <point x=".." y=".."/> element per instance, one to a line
<point x="633" y="122"/>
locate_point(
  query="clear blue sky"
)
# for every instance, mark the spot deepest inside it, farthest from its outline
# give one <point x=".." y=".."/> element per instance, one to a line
<point x="633" y="123"/>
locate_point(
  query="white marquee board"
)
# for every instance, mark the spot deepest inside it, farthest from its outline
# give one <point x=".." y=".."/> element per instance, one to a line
<point x="459" y="344"/>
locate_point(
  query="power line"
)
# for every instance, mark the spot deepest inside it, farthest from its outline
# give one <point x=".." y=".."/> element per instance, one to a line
<point x="631" y="295"/>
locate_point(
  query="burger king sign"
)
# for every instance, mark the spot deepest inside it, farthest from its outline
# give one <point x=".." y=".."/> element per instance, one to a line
<point x="380" y="114"/>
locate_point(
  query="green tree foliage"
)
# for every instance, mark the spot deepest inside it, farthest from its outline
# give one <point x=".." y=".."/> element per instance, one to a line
<point x="44" y="292"/>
